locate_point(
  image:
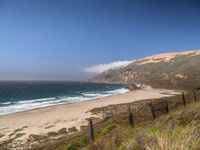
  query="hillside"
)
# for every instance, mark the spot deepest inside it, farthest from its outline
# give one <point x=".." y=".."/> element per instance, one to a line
<point x="169" y="70"/>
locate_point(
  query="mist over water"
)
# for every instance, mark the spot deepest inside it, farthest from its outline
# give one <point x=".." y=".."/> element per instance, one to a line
<point x="20" y="96"/>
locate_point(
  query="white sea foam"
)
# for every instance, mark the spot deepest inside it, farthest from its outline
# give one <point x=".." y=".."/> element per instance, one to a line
<point x="118" y="91"/>
<point x="89" y="94"/>
<point x="22" y="105"/>
<point x="5" y="103"/>
<point x="36" y="100"/>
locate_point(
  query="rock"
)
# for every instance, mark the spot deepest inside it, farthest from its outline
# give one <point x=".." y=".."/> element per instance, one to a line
<point x="133" y="87"/>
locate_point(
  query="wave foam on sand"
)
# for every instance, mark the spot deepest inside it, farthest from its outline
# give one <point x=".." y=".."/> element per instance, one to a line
<point x="22" y="105"/>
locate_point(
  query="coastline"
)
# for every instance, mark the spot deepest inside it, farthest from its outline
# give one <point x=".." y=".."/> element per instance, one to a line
<point x="53" y="118"/>
<point x="77" y="94"/>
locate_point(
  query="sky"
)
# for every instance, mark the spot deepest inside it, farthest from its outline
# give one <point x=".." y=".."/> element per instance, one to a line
<point x="70" y="39"/>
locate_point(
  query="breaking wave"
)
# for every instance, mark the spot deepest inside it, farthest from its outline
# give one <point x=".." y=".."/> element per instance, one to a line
<point x="22" y="105"/>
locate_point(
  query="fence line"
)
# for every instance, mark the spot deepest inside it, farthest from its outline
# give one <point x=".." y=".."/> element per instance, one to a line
<point x="183" y="97"/>
<point x="165" y="107"/>
<point x="91" y="131"/>
<point x="195" y="96"/>
<point x="130" y="116"/>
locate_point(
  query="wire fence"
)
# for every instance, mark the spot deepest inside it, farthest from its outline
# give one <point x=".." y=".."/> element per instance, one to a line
<point x="164" y="105"/>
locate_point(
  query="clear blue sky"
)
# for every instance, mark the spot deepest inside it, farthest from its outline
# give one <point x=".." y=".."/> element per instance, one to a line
<point x="57" y="39"/>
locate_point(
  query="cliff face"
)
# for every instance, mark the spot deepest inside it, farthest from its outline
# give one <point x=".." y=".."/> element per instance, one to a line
<point x="170" y="70"/>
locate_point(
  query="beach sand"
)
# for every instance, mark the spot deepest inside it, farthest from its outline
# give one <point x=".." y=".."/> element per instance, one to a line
<point x="43" y="120"/>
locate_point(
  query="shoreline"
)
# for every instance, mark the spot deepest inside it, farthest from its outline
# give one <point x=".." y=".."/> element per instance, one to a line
<point x="40" y="121"/>
<point x="31" y="104"/>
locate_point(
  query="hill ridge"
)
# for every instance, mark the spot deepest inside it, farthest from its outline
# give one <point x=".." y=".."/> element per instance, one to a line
<point x="167" y="70"/>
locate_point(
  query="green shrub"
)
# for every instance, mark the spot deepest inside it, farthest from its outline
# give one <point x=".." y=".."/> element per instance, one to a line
<point x="73" y="146"/>
<point x="108" y="128"/>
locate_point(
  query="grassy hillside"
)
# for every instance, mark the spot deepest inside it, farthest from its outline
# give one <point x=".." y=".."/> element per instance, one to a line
<point x="181" y="71"/>
<point x="177" y="130"/>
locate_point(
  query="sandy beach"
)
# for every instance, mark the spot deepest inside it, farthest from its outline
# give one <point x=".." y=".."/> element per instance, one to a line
<point x="43" y="120"/>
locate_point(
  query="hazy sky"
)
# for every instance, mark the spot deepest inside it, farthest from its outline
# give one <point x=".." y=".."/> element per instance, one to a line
<point x="60" y="39"/>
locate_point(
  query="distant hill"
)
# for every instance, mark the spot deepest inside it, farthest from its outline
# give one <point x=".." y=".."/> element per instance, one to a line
<point x="169" y="70"/>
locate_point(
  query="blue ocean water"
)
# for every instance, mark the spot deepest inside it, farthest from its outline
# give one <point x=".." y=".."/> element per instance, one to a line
<point x="20" y="96"/>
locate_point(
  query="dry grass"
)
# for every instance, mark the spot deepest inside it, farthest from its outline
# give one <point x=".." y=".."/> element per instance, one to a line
<point x="178" y="130"/>
<point x="179" y="138"/>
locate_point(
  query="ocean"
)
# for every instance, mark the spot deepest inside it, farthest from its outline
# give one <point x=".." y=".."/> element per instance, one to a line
<point x="26" y="95"/>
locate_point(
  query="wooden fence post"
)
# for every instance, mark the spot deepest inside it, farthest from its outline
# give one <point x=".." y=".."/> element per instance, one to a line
<point x="195" y="96"/>
<point x="91" y="131"/>
<point x="183" y="96"/>
<point x="152" y="111"/>
<point x="166" y="105"/>
<point x="130" y="116"/>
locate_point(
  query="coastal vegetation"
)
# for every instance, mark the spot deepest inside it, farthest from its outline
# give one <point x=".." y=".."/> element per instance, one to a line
<point x="178" y="129"/>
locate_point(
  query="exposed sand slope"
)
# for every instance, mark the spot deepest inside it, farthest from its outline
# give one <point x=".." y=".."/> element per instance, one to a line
<point x="53" y="118"/>
<point x="166" y="57"/>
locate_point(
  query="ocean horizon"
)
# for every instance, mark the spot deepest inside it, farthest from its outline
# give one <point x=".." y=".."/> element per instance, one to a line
<point x="16" y="96"/>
